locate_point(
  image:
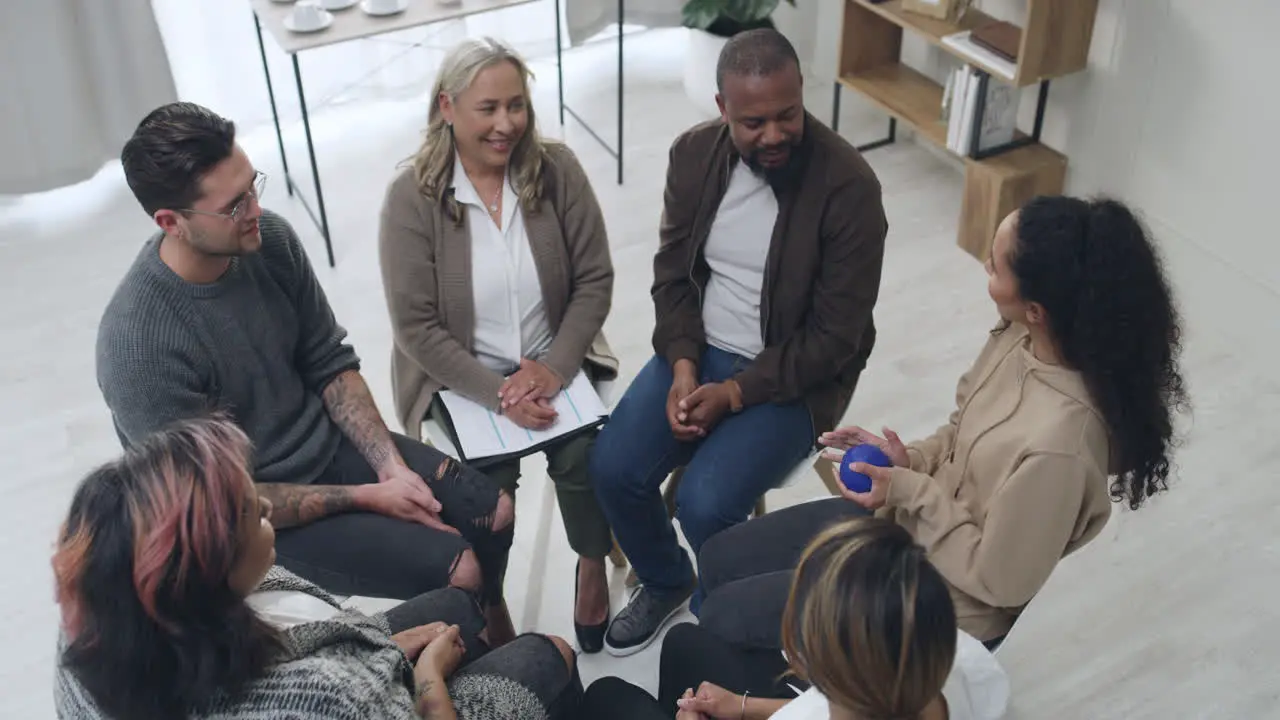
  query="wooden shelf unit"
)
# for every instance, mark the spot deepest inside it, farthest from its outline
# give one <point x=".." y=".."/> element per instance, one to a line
<point x="1055" y="42"/>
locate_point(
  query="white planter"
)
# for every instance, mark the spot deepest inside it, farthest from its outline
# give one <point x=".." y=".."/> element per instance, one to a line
<point x="701" y="53"/>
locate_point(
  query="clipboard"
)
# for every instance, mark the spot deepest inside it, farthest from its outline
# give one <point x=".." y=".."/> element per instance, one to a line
<point x="483" y="437"/>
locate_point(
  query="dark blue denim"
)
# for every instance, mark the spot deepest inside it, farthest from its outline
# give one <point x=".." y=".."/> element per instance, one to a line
<point x="745" y="455"/>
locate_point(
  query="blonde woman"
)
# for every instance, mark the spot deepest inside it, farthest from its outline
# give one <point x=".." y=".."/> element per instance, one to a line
<point x="869" y="630"/>
<point x="497" y="274"/>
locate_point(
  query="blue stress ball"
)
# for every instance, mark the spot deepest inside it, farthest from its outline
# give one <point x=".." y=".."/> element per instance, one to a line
<point x="870" y="454"/>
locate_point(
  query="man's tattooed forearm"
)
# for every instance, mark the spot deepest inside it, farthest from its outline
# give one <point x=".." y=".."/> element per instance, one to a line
<point x="302" y="504"/>
<point x="351" y="406"/>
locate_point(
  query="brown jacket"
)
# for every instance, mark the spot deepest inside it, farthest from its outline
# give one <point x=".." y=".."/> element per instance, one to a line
<point x="1014" y="482"/>
<point x="426" y="274"/>
<point x="822" y="273"/>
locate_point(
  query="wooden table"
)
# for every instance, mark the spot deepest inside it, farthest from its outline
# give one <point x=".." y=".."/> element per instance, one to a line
<point x="355" y="24"/>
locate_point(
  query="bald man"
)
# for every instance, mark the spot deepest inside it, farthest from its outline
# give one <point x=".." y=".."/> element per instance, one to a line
<point x="772" y="240"/>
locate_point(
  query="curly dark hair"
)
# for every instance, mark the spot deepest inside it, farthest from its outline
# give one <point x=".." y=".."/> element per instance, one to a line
<point x="1091" y="264"/>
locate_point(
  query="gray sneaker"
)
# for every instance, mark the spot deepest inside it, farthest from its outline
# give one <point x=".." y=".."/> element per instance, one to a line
<point x="639" y="622"/>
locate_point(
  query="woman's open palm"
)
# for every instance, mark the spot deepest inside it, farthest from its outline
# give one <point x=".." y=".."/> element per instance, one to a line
<point x="841" y="439"/>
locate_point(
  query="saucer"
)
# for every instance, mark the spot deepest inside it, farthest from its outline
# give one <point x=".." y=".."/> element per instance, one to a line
<point x="399" y="8"/>
<point x="326" y="19"/>
<point x="337" y="4"/>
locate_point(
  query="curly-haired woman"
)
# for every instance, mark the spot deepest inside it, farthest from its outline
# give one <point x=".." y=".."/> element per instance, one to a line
<point x="1070" y="405"/>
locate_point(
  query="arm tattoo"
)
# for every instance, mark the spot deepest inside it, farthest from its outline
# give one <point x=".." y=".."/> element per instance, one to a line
<point x="432" y="705"/>
<point x="293" y="505"/>
<point x="351" y="406"/>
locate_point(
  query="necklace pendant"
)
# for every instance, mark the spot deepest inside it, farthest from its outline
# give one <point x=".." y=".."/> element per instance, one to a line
<point x="493" y="208"/>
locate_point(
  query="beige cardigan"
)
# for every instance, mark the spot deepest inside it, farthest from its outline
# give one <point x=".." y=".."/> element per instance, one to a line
<point x="426" y="274"/>
<point x="1013" y="483"/>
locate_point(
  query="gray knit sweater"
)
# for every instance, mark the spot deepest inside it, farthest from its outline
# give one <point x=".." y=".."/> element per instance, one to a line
<point x="345" y="668"/>
<point x="260" y="343"/>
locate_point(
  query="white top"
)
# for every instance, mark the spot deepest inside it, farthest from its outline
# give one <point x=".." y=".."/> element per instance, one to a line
<point x="511" y="322"/>
<point x="737" y="249"/>
<point x="286" y="608"/>
<point x="976" y="689"/>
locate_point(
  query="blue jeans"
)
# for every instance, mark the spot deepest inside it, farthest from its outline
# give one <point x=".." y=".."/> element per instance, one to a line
<point x="725" y="473"/>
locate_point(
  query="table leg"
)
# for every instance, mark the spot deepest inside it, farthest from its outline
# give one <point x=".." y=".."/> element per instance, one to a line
<point x="560" y="62"/>
<point x="315" y="170"/>
<point x="835" y="108"/>
<point x="565" y="108"/>
<point x="271" y="95"/>
<point x="621" y="8"/>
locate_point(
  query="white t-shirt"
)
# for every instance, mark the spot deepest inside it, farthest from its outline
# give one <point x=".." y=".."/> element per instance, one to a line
<point x="286" y="608"/>
<point x="736" y="251"/>
<point x="976" y="689"/>
<point x="510" y="321"/>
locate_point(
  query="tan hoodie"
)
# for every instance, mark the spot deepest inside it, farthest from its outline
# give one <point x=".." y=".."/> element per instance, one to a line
<point x="1014" y="482"/>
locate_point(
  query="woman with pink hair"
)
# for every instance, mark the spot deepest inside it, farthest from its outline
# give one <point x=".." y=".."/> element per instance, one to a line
<point x="172" y="607"/>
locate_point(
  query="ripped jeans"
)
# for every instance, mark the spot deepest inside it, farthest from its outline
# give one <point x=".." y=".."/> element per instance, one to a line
<point x="363" y="553"/>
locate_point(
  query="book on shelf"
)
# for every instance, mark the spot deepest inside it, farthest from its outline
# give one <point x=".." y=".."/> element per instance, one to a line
<point x="995" y="117"/>
<point x="964" y="46"/>
<point x="1001" y="38"/>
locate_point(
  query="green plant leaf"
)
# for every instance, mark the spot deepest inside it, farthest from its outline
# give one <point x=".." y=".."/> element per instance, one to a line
<point x="749" y="11"/>
<point x="701" y="13"/>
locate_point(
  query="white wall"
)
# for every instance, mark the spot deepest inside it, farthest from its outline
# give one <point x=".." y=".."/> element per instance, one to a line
<point x="1178" y="114"/>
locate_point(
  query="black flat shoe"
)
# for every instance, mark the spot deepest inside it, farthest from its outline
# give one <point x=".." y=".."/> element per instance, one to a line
<point x="590" y="637"/>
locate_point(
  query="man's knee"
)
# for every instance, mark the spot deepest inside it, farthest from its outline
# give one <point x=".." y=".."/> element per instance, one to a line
<point x="566" y="651"/>
<point x="466" y="572"/>
<point x="701" y="516"/>
<point x="601" y="465"/>
<point x="614" y="465"/>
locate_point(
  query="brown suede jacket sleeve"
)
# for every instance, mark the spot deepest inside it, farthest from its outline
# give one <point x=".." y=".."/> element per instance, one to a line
<point x="679" y="333"/>
<point x="591" y="267"/>
<point x="407" y="255"/>
<point x="845" y="288"/>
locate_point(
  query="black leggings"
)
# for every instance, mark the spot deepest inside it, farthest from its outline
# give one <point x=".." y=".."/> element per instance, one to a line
<point x="691" y="656"/>
<point x="746" y="570"/>
<point x="362" y="553"/>
<point x="530" y="660"/>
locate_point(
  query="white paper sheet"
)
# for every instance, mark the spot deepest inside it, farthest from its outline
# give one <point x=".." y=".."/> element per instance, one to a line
<point x="483" y="433"/>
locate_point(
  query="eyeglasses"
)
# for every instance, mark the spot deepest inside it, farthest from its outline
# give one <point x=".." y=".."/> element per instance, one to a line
<point x="259" y="184"/>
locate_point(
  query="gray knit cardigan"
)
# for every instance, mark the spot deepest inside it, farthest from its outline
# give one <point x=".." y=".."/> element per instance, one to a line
<point x="345" y="668"/>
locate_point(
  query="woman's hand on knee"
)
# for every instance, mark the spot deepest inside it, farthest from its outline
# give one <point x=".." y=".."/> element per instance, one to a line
<point x="414" y="640"/>
<point x="711" y="701"/>
<point x="441" y="655"/>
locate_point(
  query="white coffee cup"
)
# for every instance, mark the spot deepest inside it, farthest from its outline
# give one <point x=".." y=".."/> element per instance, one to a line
<point x="307" y="15"/>
<point x="382" y="6"/>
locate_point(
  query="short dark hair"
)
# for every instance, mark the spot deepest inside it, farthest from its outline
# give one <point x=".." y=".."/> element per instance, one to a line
<point x="759" y="52"/>
<point x="170" y="152"/>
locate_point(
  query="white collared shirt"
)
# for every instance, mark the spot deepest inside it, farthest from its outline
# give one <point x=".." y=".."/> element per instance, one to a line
<point x="736" y="250"/>
<point x="510" y="321"/>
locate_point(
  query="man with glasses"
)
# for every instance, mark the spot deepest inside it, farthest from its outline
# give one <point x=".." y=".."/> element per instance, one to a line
<point x="221" y="313"/>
